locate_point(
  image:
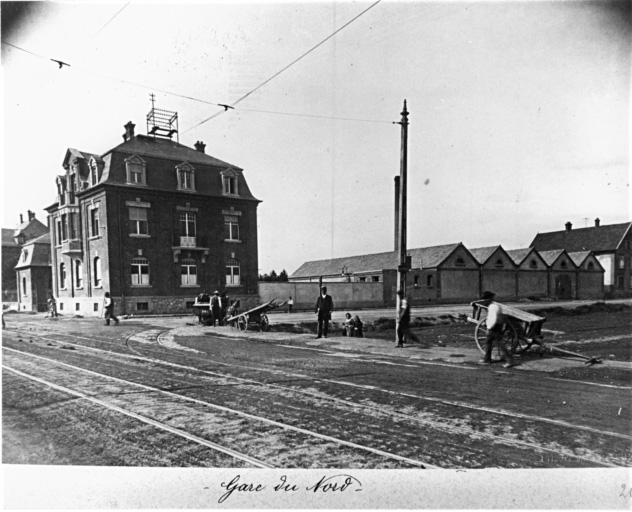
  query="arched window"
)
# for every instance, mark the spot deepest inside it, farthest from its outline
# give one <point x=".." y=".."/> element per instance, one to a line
<point x="591" y="265"/>
<point x="460" y="262"/>
<point x="563" y="264"/>
<point x="140" y="271"/>
<point x="62" y="275"/>
<point x="136" y="174"/>
<point x="533" y="264"/>
<point x="78" y="273"/>
<point x="499" y="263"/>
<point x="186" y="177"/>
<point x="96" y="271"/>
<point x="232" y="273"/>
<point x="229" y="183"/>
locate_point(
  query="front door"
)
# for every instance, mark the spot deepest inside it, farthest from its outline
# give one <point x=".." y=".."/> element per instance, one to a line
<point x="563" y="287"/>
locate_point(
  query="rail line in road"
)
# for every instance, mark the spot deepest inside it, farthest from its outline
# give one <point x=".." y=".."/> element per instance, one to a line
<point x="406" y="417"/>
<point x="144" y="419"/>
<point x="453" y="403"/>
<point x="223" y="409"/>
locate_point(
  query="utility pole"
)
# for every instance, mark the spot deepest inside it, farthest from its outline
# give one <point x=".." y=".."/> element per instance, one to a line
<point x="404" y="263"/>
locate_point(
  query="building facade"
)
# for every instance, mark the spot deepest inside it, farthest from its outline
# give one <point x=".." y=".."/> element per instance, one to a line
<point x="12" y="242"/>
<point x="453" y="273"/>
<point x="33" y="272"/>
<point x="154" y="223"/>
<point x="611" y="245"/>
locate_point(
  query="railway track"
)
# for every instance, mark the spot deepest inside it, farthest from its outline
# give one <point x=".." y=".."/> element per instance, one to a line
<point x="423" y="418"/>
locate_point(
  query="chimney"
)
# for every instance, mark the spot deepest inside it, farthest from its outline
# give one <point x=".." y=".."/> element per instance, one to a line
<point x="129" y="131"/>
<point x="597" y="221"/>
<point x="569" y="226"/>
<point x="31" y="215"/>
<point x="21" y="219"/>
<point x="396" y="213"/>
<point x="200" y="146"/>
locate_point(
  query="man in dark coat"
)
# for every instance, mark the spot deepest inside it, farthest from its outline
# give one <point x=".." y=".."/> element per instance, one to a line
<point x="324" y="309"/>
<point x="215" y="308"/>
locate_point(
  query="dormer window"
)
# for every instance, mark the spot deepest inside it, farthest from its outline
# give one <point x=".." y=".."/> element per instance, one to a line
<point x="229" y="183"/>
<point x="94" y="172"/>
<point x="186" y="177"/>
<point x="136" y="172"/>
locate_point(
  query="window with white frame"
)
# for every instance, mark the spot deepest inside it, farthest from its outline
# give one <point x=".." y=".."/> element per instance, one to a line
<point x="78" y="274"/>
<point x="94" y="221"/>
<point x="136" y="171"/>
<point x="231" y="228"/>
<point x="138" y="221"/>
<point x="229" y="183"/>
<point x="75" y="226"/>
<point x="64" y="227"/>
<point x="186" y="177"/>
<point x="94" y="172"/>
<point x="188" y="272"/>
<point x="62" y="275"/>
<point x="96" y="271"/>
<point x="59" y="230"/>
<point x="232" y="273"/>
<point x="25" y="254"/>
<point x="187" y="224"/>
<point x="140" y="271"/>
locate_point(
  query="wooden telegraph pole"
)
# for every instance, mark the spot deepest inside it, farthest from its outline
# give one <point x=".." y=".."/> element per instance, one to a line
<point x="404" y="263"/>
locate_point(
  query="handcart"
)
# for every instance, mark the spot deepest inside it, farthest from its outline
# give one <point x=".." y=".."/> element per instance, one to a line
<point x="256" y="316"/>
<point x="521" y="331"/>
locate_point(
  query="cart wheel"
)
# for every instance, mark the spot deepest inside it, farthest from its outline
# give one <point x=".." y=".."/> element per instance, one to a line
<point x="264" y="323"/>
<point x="242" y="323"/>
<point x="510" y="337"/>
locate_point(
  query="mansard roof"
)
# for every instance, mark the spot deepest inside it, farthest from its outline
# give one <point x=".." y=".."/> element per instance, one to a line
<point x="158" y="147"/>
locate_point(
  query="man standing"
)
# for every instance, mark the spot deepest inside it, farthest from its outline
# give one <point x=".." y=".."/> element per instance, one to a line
<point x="215" y="308"/>
<point x="403" y="324"/>
<point x="495" y="324"/>
<point x="324" y="309"/>
<point x="108" y="304"/>
<point x="290" y="304"/>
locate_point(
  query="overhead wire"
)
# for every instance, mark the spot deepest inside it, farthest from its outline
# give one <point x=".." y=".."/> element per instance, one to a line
<point x="286" y="67"/>
<point x="223" y="105"/>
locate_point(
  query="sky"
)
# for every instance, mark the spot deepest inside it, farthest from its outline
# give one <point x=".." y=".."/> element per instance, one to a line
<point x="519" y="111"/>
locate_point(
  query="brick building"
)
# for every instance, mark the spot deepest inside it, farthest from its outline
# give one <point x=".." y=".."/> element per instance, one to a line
<point x="611" y="245"/>
<point x="153" y="222"/>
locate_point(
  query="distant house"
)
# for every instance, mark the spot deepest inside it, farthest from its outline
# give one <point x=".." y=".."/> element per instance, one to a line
<point x="498" y="272"/>
<point x="611" y="245"/>
<point x="34" y="276"/>
<point x="440" y="273"/>
<point x="12" y="241"/>
<point x="533" y="273"/>
<point x="562" y="283"/>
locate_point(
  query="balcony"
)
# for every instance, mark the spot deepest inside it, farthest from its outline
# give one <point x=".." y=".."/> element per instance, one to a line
<point x="189" y="243"/>
<point x="71" y="247"/>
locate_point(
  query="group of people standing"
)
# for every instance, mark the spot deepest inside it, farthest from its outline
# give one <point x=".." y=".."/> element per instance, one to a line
<point x="218" y="306"/>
